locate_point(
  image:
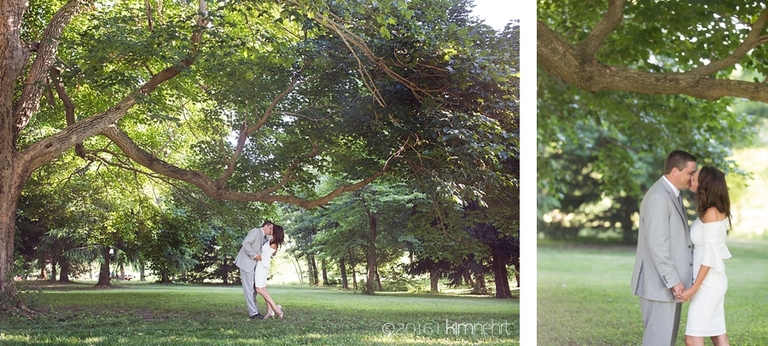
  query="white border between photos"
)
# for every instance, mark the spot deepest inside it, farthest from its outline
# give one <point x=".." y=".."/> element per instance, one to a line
<point x="528" y="232"/>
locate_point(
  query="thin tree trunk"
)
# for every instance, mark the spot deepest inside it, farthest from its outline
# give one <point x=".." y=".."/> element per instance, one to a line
<point x="122" y="271"/>
<point x="371" y="252"/>
<point x="142" y="275"/>
<point x="53" y="269"/>
<point x="299" y="271"/>
<point x="324" y="272"/>
<point x="343" y="268"/>
<point x="225" y="273"/>
<point x="352" y="268"/>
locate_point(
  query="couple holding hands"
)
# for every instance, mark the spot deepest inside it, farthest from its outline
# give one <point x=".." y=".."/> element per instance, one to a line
<point x="254" y="258"/>
<point x="677" y="264"/>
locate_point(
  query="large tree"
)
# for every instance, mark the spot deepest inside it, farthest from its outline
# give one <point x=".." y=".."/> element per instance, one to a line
<point x="271" y="94"/>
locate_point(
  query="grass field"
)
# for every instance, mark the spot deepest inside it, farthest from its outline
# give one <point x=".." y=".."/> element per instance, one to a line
<point x="151" y="314"/>
<point x="584" y="296"/>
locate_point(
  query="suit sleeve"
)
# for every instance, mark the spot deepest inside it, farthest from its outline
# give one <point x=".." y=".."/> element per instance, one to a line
<point x="658" y="221"/>
<point x="254" y="236"/>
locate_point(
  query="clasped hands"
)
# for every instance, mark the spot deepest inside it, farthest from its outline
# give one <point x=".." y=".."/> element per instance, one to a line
<point x="683" y="294"/>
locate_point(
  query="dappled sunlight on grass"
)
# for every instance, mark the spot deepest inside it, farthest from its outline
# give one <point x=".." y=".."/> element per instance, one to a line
<point x="152" y="314"/>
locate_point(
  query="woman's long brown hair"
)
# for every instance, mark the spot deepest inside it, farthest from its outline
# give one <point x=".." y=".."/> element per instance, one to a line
<point x="278" y="235"/>
<point x="713" y="192"/>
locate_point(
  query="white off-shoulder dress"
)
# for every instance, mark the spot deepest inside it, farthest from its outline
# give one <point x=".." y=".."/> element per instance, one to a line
<point x="262" y="267"/>
<point x="706" y="313"/>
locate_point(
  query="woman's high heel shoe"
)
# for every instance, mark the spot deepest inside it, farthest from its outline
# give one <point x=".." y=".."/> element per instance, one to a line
<point x="269" y="314"/>
<point x="280" y="315"/>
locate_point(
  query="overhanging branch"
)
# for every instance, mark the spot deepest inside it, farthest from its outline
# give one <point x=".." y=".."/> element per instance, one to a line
<point x="216" y="190"/>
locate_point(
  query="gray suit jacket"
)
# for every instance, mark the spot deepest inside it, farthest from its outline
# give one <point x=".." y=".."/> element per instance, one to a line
<point x="251" y="247"/>
<point x="664" y="250"/>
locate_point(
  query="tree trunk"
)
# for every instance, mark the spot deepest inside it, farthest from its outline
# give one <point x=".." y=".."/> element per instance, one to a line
<point x="312" y="270"/>
<point x="378" y="279"/>
<point x="65" y="267"/>
<point x="468" y="280"/>
<point x="225" y="272"/>
<point x="516" y="264"/>
<point x="104" y="278"/>
<point x="434" y="280"/>
<point x="53" y="270"/>
<point x="164" y="277"/>
<point x="324" y="271"/>
<point x="480" y="287"/>
<point x="142" y="275"/>
<point x="343" y="268"/>
<point x="371" y="253"/>
<point x="352" y="266"/>
<point x="500" y="277"/>
<point x="13" y="171"/>
<point x="299" y="271"/>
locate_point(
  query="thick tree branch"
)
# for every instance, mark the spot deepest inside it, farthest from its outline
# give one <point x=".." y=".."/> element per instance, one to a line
<point x="603" y="29"/>
<point x="213" y="189"/>
<point x="561" y="59"/>
<point x="752" y="40"/>
<point x="44" y="150"/>
<point x="69" y="106"/>
<point x="29" y="101"/>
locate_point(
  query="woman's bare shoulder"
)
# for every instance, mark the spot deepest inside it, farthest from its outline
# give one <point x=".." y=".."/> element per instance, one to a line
<point x="712" y="215"/>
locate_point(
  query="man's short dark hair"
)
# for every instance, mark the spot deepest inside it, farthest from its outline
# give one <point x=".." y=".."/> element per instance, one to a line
<point x="679" y="159"/>
<point x="267" y="223"/>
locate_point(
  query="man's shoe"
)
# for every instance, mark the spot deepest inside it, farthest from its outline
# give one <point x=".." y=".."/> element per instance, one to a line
<point x="259" y="316"/>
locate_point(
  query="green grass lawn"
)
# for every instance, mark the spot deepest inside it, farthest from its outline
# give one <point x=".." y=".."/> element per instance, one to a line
<point x="584" y="296"/>
<point x="151" y="314"/>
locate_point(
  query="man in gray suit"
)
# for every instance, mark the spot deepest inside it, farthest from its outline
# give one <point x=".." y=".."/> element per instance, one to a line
<point x="249" y="255"/>
<point x="664" y="261"/>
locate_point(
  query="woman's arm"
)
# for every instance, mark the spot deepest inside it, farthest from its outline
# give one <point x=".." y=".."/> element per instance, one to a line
<point x="711" y="215"/>
<point x="690" y="291"/>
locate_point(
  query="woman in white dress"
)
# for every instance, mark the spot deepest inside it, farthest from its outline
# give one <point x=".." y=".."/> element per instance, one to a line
<point x="706" y="313"/>
<point x="262" y="270"/>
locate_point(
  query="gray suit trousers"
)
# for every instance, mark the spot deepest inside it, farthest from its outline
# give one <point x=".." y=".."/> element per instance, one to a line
<point x="661" y="320"/>
<point x="250" y="297"/>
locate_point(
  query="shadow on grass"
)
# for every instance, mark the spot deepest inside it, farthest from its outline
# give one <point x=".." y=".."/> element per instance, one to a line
<point x="152" y="314"/>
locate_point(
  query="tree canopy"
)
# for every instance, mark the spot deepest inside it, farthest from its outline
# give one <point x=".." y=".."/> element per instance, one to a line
<point x="255" y="101"/>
